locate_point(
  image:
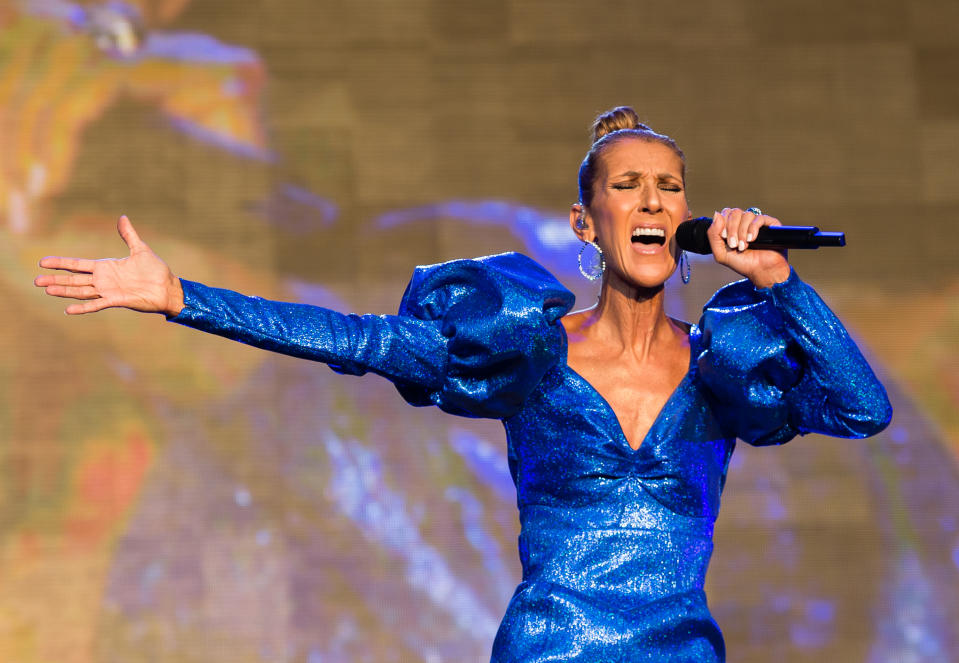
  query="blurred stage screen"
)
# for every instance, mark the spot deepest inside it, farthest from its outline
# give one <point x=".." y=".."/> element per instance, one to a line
<point x="175" y="498"/>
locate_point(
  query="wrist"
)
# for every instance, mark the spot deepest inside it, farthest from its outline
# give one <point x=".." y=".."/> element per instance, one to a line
<point x="174" y="298"/>
<point x="770" y="277"/>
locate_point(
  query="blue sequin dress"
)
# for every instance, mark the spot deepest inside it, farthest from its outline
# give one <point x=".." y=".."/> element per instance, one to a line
<point x="615" y="542"/>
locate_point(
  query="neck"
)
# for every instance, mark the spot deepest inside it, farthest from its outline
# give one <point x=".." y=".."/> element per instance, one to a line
<point x="632" y="317"/>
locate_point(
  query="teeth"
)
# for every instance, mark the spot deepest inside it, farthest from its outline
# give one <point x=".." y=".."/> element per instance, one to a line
<point x="657" y="232"/>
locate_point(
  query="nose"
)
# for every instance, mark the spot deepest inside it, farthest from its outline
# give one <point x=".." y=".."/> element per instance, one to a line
<point x="650" y="201"/>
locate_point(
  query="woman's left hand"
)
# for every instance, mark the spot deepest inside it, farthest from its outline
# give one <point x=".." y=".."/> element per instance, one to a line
<point x="730" y="234"/>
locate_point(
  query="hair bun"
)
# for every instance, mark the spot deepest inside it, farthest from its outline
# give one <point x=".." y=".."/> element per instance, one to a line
<point x="617" y="119"/>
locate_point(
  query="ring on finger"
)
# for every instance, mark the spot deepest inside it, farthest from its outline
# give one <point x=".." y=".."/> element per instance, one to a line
<point x="757" y="212"/>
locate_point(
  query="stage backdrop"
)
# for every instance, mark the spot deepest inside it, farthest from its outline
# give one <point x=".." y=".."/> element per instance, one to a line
<point x="171" y="497"/>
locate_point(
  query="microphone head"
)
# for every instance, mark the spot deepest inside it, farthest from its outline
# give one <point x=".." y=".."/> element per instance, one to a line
<point x="691" y="235"/>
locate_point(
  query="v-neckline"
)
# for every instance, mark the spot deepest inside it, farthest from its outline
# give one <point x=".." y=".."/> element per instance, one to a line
<point x="615" y="417"/>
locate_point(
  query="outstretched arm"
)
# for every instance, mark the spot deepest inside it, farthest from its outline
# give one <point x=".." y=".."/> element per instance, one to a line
<point x="400" y="348"/>
<point x="404" y="350"/>
<point x="473" y="337"/>
<point x="140" y="282"/>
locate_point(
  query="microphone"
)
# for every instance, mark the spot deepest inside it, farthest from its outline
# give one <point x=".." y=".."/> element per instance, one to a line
<point x="691" y="236"/>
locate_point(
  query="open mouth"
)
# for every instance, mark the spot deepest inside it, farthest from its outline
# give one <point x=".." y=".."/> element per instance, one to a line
<point x="649" y="236"/>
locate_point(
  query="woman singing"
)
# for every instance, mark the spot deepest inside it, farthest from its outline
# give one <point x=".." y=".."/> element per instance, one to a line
<point x="620" y="421"/>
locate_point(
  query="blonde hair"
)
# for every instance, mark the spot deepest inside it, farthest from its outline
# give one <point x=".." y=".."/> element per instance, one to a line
<point x="609" y="127"/>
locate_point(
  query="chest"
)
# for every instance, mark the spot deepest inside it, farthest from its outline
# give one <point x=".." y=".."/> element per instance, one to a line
<point x="636" y="395"/>
<point x="567" y="448"/>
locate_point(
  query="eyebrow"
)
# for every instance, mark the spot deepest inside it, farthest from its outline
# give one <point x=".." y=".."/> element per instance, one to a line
<point x="632" y="174"/>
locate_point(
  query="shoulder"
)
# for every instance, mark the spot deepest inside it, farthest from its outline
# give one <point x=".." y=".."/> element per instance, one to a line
<point x="499" y="318"/>
<point x="510" y="267"/>
<point x="509" y="281"/>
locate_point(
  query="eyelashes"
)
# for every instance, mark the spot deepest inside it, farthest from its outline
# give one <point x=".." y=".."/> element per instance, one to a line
<point x="672" y="188"/>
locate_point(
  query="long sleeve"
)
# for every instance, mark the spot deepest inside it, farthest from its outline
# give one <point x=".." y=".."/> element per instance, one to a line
<point x="402" y="349"/>
<point x="472" y="336"/>
<point x="780" y="363"/>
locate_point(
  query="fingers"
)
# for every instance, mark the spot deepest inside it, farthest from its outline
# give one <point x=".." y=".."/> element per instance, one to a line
<point x="731" y="232"/>
<point x="79" y="265"/>
<point x="717" y="234"/>
<point x="723" y="232"/>
<point x="45" y="280"/>
<point x="129" y="235"/>
<point x="85" y="265"/>
<point x="72" y="291"/>
<point x="74" y="286"/>
<point x="752" y="228"/>
<point x="737" y="224"/>
<point x="739" y="228"/>
<point x="88" y="307"/>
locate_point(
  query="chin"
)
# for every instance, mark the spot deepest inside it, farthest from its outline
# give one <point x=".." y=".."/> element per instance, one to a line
<point x="649" y="276"/>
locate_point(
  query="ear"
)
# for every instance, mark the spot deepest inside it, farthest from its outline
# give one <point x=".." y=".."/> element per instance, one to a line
<point x="579" y="221"/>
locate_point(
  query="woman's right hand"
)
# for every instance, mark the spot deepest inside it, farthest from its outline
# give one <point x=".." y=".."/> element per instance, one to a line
<point x="141" y="282"/>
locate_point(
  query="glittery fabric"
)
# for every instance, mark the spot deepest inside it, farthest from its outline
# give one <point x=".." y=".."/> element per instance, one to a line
<point x="615" y="542"/>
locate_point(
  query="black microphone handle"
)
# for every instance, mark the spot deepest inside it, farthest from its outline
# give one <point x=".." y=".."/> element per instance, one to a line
<point x="691" y="236"/>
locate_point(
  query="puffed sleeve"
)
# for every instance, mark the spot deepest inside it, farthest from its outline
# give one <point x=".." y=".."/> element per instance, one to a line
<point x="500" y="318"/>
<point x="473" y="337"/>
<point x="779" y="363"/>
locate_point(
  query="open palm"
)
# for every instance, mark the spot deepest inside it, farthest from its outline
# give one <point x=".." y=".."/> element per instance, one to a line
<point x="141" y="282"/>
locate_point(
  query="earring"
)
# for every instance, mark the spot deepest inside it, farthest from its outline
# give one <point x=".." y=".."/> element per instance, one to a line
<point x="594" y="271"/>
<point x="685" y="269"/>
